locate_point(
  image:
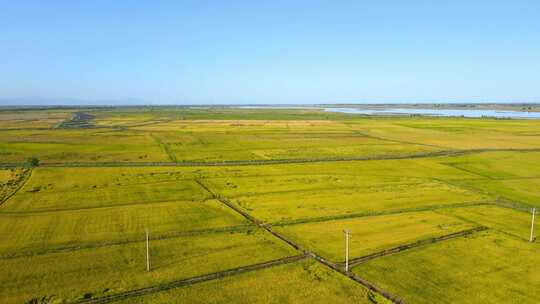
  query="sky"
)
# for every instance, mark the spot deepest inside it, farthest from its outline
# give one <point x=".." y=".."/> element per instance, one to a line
<point x="261" y="52"/>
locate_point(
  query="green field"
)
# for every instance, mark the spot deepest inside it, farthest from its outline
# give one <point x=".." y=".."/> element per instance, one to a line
<point x="46" y="230"/>
<point x="72" y="273"/>
<point x="372" y="234"/>
<point x="94" y="188"/>
<point x="249" y="206"/>
<point x="489" y="267"/>
<point x="305" y="282"/>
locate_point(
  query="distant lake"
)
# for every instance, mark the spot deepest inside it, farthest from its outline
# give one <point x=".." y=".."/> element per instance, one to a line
<point x="439" y="112"/>
<point x="283" y="107"/>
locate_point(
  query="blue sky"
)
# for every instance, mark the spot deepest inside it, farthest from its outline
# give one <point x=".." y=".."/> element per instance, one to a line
<point x="271" y="51"/>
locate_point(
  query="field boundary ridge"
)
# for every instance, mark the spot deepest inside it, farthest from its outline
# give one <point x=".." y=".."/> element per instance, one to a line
<point x="420" y="243"/>
<point x="182" y="163"/>
<point x="191" y="281"/>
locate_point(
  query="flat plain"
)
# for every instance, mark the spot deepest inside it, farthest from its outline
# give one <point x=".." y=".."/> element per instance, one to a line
<point x="250" y="205"/>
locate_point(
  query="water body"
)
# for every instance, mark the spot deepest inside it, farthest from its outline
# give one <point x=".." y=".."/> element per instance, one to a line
<point x="439" y="112"/>
<point x="405" y="111"/>
<point x="276" y="107"/>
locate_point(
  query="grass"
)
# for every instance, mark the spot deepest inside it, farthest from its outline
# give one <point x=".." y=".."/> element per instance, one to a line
<point x="381" y="195"/>
<point x="487" y="267"/>
<point x="455" y="133"/>
<point x="263" y="142"/>
<point x="521" y="191"/>
<point x="37" y="232"/>
<point x="74" y="227"/>
<point x="371" y="234"/>
<point x="303" y="192"/>
<point x="30" y="119"/>
<point x="507" y="176"/>
<point x="79" y="188"/>
<point x="10" y="181"/>
<point x="144" y="140"/>
<point x="79" y="145"/>
<point x="300" y="282"/>
<point x="500" y="165"/>
<point x="110" y="269"/>
<point x="505" y="220"/>
<point x="247" y="180"/>
<point x="220" y="134"/>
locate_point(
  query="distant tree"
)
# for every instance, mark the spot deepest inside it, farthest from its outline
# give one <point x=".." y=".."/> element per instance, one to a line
<point x="32" y="162"/>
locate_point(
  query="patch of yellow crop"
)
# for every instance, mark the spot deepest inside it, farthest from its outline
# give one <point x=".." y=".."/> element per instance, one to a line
<point x="486" y="267"/>
<point x="303" y="282"/>
<point x="371" y="234"/>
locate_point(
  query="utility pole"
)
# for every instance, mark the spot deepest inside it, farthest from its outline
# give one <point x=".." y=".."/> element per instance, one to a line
<point x="347" y="235"/>
<point x="147" y="253"/>
<point x="532" y="225"/>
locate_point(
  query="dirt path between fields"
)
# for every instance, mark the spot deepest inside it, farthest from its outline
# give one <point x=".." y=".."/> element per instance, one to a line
<point x="380" y="213"/>
<point x="190" y="281"/>
<point x="155" y="237"/>
<point x="416" y="244"/>
<point x="271" y="161"/>
<point x="26" y="176"/>
<point x="354" y="277"/>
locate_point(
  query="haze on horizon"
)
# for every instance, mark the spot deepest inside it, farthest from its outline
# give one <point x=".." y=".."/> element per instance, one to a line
<point x="276" y="52"/>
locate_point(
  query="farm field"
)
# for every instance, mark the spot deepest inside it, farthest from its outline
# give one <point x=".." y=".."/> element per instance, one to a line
<point x="462" y="270"/>
<point x="310" y="282"/>
<point x="77" y="145"/>
<point x="100" y="189"/>
<point x="11" y="180"/>
<point x="23" y="119"/>
<point x="72" y="274"/>
<point x="372" y="233"/>
<point x="250" y="206"/>
<point x="50" y="230"/>
<point x="503" y="220"/>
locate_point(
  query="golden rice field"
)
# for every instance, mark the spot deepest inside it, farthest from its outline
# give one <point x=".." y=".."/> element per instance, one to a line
<point x="250" y="206"/>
